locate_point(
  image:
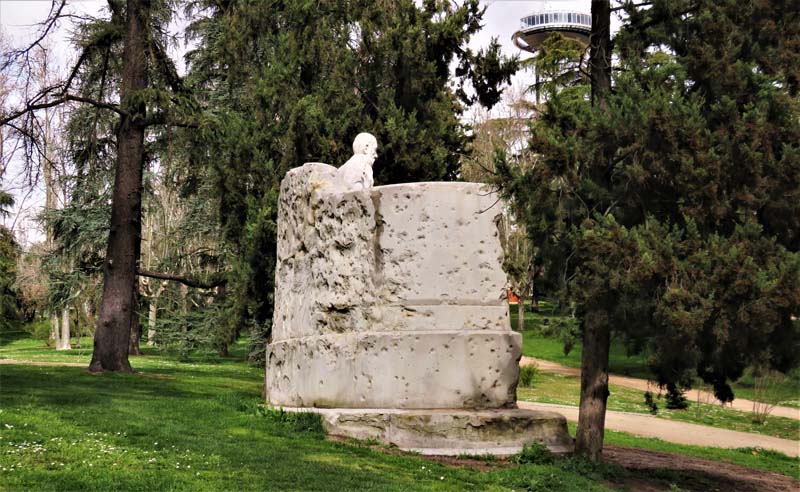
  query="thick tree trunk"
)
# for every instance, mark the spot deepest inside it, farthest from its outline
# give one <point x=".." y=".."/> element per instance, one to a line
<point x="520" y="311"/>
<point x="594" y="391"/>
<point x="63" y="341"/>
<point x="112" y="336"/>
<point x="596" y="333"/>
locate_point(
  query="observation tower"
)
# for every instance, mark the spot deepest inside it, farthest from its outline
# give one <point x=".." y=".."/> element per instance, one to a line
<point x="536" y="27"/>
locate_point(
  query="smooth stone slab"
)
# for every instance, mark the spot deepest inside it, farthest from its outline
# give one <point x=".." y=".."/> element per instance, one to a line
<point x="450" y="432"/>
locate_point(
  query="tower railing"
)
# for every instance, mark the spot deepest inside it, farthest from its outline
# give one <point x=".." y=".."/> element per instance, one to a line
<point x="556" y="19"/>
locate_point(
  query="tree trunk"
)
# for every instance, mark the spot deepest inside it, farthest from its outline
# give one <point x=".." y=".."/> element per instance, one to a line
<point x="136" y="326"/>
<point x="594" y="390"/>
<point x="55" y="334"/>
<point x="520" y="311"/>
<point x="596" y="332"/>
<point x="112" y="335"/>
<point x="600" y="52"/>
<point x="63" y="341"/>
<point x="151" y="324"/>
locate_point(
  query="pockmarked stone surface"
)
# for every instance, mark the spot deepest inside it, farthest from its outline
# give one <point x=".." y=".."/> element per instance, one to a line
<point x="392" y="297"/>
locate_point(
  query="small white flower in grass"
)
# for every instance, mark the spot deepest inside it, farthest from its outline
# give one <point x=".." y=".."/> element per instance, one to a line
<point x="441" y="478"/>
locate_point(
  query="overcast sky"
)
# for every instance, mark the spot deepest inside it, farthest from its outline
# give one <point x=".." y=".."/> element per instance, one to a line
<point x="18" y="19"/>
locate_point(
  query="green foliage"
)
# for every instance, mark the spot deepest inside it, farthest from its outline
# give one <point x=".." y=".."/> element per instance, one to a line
<point x="676" y="400"/>
<point x="652" y="406"/>
<point x="295" y="83"/>
<point x="296" y="421"/>
<point x="39" y="329"/>
<point x="527" y="375"/>
<point x="534" y="453"/>
<point x="183" y="333"/>
<point x="9" y="301"/>
<point x="662" y="213"/>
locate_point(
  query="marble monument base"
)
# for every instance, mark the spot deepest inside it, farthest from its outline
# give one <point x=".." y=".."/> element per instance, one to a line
<point x="449" y="432"/>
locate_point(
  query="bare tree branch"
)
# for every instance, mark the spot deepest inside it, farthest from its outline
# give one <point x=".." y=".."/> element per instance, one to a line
<point x="217" y="280"/>
<point x="52" y="18"/>
<point x="61" y="100"/>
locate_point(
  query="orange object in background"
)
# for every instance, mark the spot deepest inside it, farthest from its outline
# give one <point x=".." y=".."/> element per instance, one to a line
<point x="512" y="298"/>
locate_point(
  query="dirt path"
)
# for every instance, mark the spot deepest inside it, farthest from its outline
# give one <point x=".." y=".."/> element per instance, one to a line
<point x="699" y="473"/>
<point x="673" y="431"/>
<point x="644" y="385"/>
<point x="41" y="363"/>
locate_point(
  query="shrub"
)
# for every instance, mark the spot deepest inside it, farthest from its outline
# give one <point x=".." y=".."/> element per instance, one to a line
<point x="676" y="399"/>
<point x="527" y="374"/>
<point x="39" y="329"/>
<point x="650" y="402"/>
<point x="534" y="453"/>
<point x="296" y="421"/>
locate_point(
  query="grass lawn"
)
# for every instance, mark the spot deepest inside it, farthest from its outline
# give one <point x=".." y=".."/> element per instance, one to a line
<point x="198" y="426"/>
<point x="201" y="426"/>
<point x="534" y="344"/>
<point x="565" y="390"/>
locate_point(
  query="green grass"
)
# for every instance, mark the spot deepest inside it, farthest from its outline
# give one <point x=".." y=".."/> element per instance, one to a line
<point x="201" y="426"/>
<point x="535" y="344"/>
<point x="198" y="426"/>
<point x="565" y="390"/>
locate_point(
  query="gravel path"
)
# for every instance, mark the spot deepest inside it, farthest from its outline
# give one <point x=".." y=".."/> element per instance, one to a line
<point x="673" y="431"/>
<point x="644" y="385"/>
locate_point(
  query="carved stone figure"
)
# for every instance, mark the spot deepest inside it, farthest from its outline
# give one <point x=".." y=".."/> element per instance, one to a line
<point x="357" y="171"/>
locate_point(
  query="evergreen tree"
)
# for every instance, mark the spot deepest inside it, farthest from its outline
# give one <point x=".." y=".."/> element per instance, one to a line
<point x="296" y="82"/>
<point x="9" y="299"/>
<point x="666" y="206"/>
<point x="123" y="67"/>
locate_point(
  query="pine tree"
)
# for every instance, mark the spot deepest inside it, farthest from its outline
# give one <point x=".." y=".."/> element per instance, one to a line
<point x="667" y="204"/>
<point x="297" y="82"/>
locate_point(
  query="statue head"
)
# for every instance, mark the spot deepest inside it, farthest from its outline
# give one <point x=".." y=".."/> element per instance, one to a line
<point x="366" y="144"/>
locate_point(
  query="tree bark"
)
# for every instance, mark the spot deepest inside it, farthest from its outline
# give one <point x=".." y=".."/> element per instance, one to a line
<point x="136" y="326"/>
<point x="596" y="331"/>
<point x="112" y="335"/>
<point x="594" y="390"/>
<point x="63" y="341"/>
<point x="151" y="324"/>
<point x="520" y="311"/>
<point x="600" y="52"/>
<point x="55" y="333"/>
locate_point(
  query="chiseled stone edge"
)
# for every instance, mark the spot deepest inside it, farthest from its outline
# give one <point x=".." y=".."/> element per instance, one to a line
<point x="449" y="432"/>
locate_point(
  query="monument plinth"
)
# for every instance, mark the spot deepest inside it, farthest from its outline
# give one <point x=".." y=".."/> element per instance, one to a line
<point x="391" y="319"/>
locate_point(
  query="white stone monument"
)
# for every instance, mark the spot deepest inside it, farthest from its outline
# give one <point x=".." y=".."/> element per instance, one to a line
<point x="391" y="319"/>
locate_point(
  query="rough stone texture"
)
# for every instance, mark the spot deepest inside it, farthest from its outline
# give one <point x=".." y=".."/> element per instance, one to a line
<point x="389" y="297"/>
<point x="394" y="298"/>
<point x="451" y="432"/>
<point x="410" y="369"/>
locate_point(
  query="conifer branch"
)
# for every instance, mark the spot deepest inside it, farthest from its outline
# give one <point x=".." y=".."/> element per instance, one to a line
<point x="216" y="281"/>
<point x="61" y="100"/>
